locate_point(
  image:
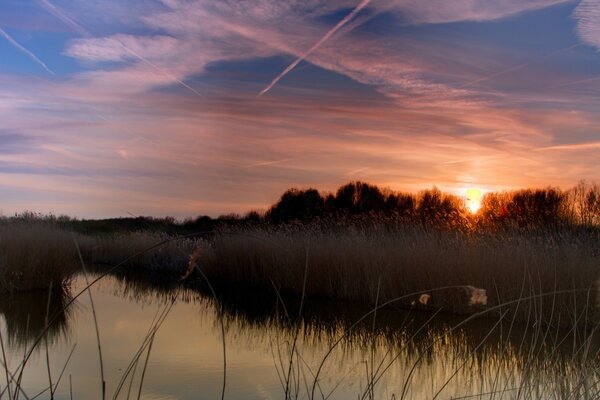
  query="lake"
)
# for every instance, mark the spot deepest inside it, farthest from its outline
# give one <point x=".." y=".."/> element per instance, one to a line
<point x="407" y="353"/>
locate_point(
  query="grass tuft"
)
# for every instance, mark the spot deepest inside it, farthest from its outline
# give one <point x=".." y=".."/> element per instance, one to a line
<point x="35" y="256"/>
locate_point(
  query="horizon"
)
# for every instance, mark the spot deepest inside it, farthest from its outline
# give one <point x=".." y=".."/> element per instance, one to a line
<point x="187" y="108"/>
<point x="472" y="199"/>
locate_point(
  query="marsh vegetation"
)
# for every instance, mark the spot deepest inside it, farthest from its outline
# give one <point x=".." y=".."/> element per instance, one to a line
<point x="528" y="262"/>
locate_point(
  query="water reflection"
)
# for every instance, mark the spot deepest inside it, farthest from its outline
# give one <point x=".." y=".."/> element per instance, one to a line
<point x="323" y="320"/>
<point x="271" y="346"/>
<point x="496" y="353"/>
<point x="406" y="351"/>
<point x="25" y="316"/>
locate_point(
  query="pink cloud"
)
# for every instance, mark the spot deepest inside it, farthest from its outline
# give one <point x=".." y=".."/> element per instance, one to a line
<point x="166" y="152"/>
<point x="587" y="14"/>
<point x="116" y="47"/>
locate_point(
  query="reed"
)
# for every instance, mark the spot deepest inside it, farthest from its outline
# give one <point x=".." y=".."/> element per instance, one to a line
<point x="483" y="270"/>
<point x="35" y="256"/>
<point x="172" y="256"/>
<point x="38" y="253"/>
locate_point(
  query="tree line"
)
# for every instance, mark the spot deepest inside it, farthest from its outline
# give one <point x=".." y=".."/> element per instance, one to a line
<point x="525" y="208"/>
<point x="359" y="201"/>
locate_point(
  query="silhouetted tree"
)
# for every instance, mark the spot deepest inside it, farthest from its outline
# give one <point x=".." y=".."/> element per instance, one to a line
<point x="494" y="209"/>
<point x="297" y="205"/>
<point x="439" y="209"/>
<point x="359" y="197"/>
<point x="401" y="204"/>
<point x="586" y="203"/>
<point x="253" y="217"/>
<point x="537" y="208"/>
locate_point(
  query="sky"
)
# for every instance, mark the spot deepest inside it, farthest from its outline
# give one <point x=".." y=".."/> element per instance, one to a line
<point x="200" y="107"/>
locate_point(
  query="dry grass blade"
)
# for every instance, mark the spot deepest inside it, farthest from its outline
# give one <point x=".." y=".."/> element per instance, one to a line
<point x="145" y="365"/>
<point x="50" y="385"/>
<point x="362" y="318"/>
<point x="95" y="317"/>
<point x="156" y="324"/>
<point x="29" y="352"/>
<point x="297" y="331"/>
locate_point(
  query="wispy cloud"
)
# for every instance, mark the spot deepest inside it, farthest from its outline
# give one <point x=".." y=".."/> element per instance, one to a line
<point x="326" y="37"/>
<point x="57" y="12"/>
<point x="267" y="163"/>
<point x="24" y="50"/>
<point x="442" y="11"/>
<point x="588" y="27"/>
<point x="573" y="147"/>
<point x="110" y="53"/>
<point x="384" y="99"/>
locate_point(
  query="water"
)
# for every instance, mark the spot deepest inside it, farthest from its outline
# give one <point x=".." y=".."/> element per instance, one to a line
<point x="484" y="358"/>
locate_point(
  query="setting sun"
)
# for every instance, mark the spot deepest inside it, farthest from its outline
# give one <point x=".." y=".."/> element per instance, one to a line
<point x="473" y="199"/>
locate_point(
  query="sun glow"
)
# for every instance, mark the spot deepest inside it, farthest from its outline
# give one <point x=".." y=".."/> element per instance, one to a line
<point x="473" y="199"/>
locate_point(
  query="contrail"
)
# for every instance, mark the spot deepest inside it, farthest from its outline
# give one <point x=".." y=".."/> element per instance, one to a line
<point x="84" y="32"/>
<point x="520" y="66"/>
<point x="333" y="30"/>
<point x="156" y="67"/>
<point x="577" y="82"/>
<point x="24" y="50"/>
<point x="65" y="18"/>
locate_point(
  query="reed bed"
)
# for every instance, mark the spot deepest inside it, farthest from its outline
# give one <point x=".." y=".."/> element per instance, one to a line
<point x="548" y="275"/>
<point x="143" y="250"/>
<point x="35" y="256"/>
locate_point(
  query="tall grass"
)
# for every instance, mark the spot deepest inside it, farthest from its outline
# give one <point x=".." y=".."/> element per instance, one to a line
<point x="348" y="265"/>
<point x="172" y="256"/>
<point x="37" y="253"/>
<point x="460" y="356"/>
<point x="497" y="357"/>
<point x="34" y="256"/>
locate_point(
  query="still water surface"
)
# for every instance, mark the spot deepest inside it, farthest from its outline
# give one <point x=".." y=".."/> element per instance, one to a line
<point x="412" y="352"/>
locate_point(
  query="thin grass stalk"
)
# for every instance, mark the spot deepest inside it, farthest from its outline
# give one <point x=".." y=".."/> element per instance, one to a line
<point x="298" y="354"/>
<point x="50" y="386"/>
<point x="470" y="318"/>
<point x="277" y="366"/>
<point x="503" y="357"/>
<point x="370" y="389"/>
<point x="18" y="388"/>
<point x="98" y="342"/>
<point x="136" y="364"/>
<point x="472" y="352"/>
<point x="393" y="359"/>
<point x="584" y="348"/>
<point x="22" y="366"/>
<point x="382" y="373"/>
<point x="145" y="342"/>
<point x="145" y="366"/>
<point x="339" y="382"/>
<point x="131" y="381"/>
<point x="5" y="365"/>
<point x="59" y="377"/>
<point x="367" y="314"/>
<point x="222" y="322"/>
<point x="279" y="358"/>
<point x="64" y="367"/>
<point x="510" y="330"/>
<point x="297" y="330"/>
<point x="28" y="353"/>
